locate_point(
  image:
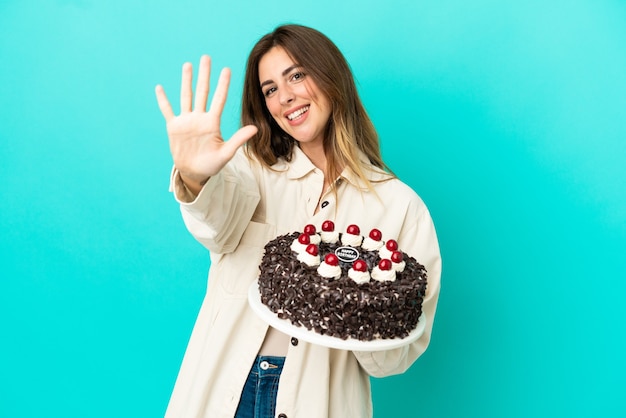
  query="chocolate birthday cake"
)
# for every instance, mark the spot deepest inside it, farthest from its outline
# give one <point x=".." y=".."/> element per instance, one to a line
<point x="342" y="284"/>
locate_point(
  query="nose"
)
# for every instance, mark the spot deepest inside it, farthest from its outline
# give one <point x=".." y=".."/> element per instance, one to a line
<point x="285" y="95"/>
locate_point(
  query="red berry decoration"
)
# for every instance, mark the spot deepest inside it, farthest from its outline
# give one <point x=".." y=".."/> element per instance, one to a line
<point x="375" y="234"/>
<point x="384" y="264"/>
<point x="331" y="260"/>
<point x="396" y="257"/>
<point x="309" y="229"/>
<point x="328" y="226"/>
<point x="359" y="265"/>
<point x="392" y="245"/>
<point x="304" y="239"/>
<point x="353" y="230"/>
<point x="312" y="249"/>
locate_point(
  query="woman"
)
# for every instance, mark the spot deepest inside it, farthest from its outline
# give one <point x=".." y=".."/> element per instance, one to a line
<point x="312" y="154"/>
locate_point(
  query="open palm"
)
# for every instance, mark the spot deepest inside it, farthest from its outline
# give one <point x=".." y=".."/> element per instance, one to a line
<point x="198" y="149"/>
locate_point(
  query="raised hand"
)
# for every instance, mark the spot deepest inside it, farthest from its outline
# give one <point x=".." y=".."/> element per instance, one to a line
<point x="196" y="143"/>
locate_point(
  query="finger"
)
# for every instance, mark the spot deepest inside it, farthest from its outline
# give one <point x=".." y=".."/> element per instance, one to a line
<point x="185" y="88"/>
<point x="221" y="92"/>
<point x="202" y="85"/>
<point x="240" y="137"/>
<point x="164" y="103"/>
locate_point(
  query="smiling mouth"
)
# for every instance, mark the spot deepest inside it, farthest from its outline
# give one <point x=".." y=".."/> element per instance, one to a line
<point x="298" y="113"/>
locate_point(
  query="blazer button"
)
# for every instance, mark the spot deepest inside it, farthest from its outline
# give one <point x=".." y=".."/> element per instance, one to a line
<point x="282" y="416"/>
<point x="294" y="341"/>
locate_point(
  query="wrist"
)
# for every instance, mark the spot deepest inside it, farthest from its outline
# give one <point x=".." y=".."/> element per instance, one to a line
<point x="193" y="184"/>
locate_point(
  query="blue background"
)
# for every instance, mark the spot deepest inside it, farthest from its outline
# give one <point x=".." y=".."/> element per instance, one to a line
<point x="508" y="118"/>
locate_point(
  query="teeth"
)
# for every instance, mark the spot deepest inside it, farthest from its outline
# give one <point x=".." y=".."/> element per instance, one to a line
<point x="297" y="113"/>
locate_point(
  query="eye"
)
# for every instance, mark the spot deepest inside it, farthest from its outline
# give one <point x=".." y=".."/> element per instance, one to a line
<point x="269" y="91"/>
<point x="299" y="76"/>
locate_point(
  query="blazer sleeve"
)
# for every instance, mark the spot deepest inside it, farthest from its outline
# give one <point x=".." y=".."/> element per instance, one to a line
<point x="219" y="215"/>
<point x="418" y="238"/>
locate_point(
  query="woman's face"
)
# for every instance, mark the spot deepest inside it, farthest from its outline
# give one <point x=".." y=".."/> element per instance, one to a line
<point x="293" y="99"/>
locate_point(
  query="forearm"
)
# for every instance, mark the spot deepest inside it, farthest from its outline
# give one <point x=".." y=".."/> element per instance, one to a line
<point x="219" y="213"/>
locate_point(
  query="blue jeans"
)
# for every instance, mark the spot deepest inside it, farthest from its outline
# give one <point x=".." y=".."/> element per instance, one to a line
<point x="258" y="398"/>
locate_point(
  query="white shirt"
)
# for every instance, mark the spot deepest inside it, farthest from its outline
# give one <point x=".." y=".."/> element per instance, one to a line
<point x="236" y="213"/>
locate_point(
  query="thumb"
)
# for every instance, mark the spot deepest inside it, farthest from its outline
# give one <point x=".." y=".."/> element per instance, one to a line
<point x="240" y="137"/>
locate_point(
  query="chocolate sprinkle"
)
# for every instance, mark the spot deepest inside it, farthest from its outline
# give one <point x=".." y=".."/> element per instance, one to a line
<point x="340" y="308"/>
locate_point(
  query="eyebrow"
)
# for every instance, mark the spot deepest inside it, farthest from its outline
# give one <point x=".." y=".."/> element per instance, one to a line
<point x="285" y="72"/>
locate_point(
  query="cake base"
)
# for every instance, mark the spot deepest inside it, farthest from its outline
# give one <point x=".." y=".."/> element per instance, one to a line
<point x="300" y="332"/>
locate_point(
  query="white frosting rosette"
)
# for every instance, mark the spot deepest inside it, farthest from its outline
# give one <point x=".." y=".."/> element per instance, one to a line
<point x="384" y="252"/>
<point x="315" y="239"/>
<point x="309" y="259"/>
<point x="328" y="234"/>
<point x="371" y="244"/>
<point x="384" y="272"/>
<point x="399" y="267"/>
<point x="330" y="237"/>
<point x="351" y="239"/>
<point x="359" y="276"/>
<point x="298" y="247"/>
<point x="329" y="271"/>
<point x="383" y="275"/>
<point x="397" y="261"/>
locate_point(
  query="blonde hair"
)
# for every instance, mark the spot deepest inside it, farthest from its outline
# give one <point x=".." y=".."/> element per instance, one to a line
<point x="349" y="127"/>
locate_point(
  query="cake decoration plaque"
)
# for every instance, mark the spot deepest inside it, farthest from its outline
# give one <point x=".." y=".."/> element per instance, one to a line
<point x="347" y="254"/>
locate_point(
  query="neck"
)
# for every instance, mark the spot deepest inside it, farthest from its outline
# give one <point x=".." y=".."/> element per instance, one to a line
<point x="315" y="152"/>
